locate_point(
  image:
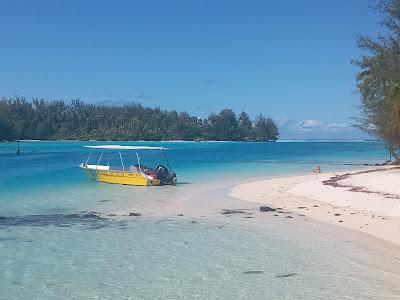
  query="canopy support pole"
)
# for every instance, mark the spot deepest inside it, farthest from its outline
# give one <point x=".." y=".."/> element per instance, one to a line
<point x="166" y="158"/>
<point x="101" y="155"/>
<point x="90" y="154"/>
<point x="122" y="162"/>
<point x="138" y="161"/>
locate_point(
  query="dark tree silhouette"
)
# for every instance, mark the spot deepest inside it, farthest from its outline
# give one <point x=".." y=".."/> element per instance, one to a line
<point x="55" y="120"/>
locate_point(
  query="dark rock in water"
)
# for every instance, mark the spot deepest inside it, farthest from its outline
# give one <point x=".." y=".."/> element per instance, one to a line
<point x="266" y="209"/>
<point x="133" y="214"/>
<point x="180" y="215"/>
<point x="7" y="239"/>
<point x="72" y="216"/>
<point x="253" y="272"/>
<point x="232" y="211"/>
<point x="101" y="201"/>
<point x="92" y="220"/>
<point x="248" y="217"/>
<point x="112" y="215"/>
<point x="64" y="225"/>
<point x="286" y="275"/>
<point x="337" y="215"/>
<point x="89" y="215"/>
<point x="315" y="205"/>
<point x="289" y="217"/>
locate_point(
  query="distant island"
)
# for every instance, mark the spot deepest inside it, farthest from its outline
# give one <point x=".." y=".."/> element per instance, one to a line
<point x="58" y="120"/>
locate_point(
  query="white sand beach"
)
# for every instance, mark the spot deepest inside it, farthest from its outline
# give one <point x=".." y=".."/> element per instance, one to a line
<point x="367" y="200"/>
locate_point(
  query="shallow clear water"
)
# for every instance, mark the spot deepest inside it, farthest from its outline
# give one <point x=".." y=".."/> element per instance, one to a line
<point x="52" y="247"/>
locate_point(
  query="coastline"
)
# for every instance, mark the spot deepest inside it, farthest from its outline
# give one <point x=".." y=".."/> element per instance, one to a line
<point x="195" y="141"/>
<point x="361" y="201"/>
<point x="181" y="232"/>
<point x="216" y="205"/>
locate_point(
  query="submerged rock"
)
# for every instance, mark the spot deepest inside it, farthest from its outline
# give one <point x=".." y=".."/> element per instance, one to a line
<point x="92" y="220"/>
<point x="286" y="275"/>
<point x="253" y="272"/>
<point x="72" y="216"/>
<point x="266" y="209"/>
<point x="133" y="214"/>
<point x="232" y="211"/>
<point x="283" y="212"/>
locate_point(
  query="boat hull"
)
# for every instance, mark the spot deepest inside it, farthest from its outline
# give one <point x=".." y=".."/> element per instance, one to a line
<point x="121" y="177"/>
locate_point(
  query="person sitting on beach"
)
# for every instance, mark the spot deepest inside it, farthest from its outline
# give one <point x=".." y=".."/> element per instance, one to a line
<point x="317" y="170"/>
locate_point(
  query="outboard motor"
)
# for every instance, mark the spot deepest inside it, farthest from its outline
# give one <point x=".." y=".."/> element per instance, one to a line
<point x="165" y="176"/>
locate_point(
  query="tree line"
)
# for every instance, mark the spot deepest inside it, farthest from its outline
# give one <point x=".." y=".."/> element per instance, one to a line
<point x="76" y="120"/>
<point x="379" y="79"/>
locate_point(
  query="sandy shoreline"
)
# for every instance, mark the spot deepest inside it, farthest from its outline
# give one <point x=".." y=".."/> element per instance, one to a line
<point x="212" y="205"/>
<point x="367" y="201"/>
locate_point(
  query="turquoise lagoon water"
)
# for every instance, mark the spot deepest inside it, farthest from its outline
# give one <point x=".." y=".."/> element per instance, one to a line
<point x="65" y="237"/>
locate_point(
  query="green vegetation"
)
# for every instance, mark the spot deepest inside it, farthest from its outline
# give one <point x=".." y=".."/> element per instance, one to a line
<point x="44" y="120"/>
<point x="379" y="79"/>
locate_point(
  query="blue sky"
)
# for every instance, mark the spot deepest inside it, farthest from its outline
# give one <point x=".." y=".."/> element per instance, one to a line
<point x="287" y="59"/>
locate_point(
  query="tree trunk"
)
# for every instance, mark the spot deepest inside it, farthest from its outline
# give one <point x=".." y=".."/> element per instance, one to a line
<point x="394" y="154"/>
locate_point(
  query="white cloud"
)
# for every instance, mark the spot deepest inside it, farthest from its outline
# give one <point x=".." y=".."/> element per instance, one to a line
<point x="317" y="129"/>
<point x="285" y="122"/>
<point x="313" y="125"/>
<point x="337" y="126"/>
<point x="309" y="125"/>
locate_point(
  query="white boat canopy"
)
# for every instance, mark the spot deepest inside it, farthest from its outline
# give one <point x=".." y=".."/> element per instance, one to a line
<point x="118" y="147"/>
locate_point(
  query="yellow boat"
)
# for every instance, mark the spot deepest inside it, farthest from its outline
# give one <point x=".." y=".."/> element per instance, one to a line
<point x="138" y="174"/>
